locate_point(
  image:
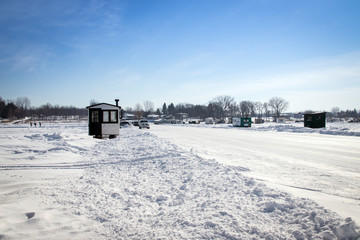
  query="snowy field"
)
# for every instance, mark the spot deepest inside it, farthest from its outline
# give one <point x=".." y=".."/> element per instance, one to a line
<point x="321" y="164"/>
<point x="179" y="182"/>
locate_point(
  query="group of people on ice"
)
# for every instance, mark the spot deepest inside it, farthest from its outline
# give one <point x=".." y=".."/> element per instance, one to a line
<point x="31" y="124"/>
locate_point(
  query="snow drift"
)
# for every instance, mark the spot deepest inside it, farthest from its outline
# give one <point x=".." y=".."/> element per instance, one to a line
<point x="140" y="186"/>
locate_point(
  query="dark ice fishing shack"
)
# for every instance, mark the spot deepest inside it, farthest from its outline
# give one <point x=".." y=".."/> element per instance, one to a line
<point x="315" y="120"/>
<point x="104" y="120"/>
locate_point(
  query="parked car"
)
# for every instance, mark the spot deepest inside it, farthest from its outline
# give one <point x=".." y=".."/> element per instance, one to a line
<point x="159" y="121"/>
<point x="125" y="124"/>
<point x="209" y="120"/>
<point x="194" y="121"/>
<point x="135" y="123"/>
<point x="143" y="123"/>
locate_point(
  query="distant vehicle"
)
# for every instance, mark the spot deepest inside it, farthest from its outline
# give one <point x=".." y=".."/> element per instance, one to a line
<point x="158" y="121"/>
<point x="143" y="123"/>
<point x="135" y="123"/>
<point x="194" y="121"/>
<point x="259" y="121"/>
<point x="209" y="120"/>
<point x="125" y="124"/>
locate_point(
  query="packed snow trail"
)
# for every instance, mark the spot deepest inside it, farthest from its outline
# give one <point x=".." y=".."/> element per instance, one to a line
<point x="325" y="168"/>
<point x="140" y="186"/>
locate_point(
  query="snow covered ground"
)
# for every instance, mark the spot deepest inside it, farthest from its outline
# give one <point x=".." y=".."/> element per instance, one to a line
<point x="322" y="164"/>
<point x="161" y="184"/>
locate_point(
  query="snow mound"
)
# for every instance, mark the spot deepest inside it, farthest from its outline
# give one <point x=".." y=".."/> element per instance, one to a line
<point x="347" y="230"/>
<point x="143" y="187"/>
<point x="140" y="186"/>
<point x="47" y="137"/>
<point x="53" y="137"/>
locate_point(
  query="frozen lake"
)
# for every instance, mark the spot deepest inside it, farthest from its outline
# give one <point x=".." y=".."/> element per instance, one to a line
<point x="179" y="182"/>
<point x="325" y="168"/>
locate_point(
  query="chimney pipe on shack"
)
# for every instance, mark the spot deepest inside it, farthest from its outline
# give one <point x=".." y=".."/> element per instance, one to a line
<point x="117" y="102"/>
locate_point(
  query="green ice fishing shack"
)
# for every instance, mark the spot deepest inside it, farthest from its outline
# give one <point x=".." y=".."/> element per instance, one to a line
<point x="242" y="122"/>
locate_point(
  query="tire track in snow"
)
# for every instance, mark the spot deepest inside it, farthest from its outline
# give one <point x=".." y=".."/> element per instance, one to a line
<point x="76" y="166"/>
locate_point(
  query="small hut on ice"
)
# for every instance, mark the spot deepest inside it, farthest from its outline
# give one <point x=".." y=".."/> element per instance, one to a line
<point x="315" y="120"/>
<point x="104" y="120"/>
<point x="241" y="122"/>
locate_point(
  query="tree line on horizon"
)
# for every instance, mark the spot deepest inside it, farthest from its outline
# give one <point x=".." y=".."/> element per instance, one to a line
<point x="21" y="108"/>
<point x="220" y="107"/>
<point x="225" y="106"/>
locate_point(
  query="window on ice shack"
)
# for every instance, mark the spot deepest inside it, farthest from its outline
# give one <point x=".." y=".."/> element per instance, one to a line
<point x="110" y="116"/>
<point x="113" y="116"/>
<point x="95" y="116"/>
<point x="106" y="116"/>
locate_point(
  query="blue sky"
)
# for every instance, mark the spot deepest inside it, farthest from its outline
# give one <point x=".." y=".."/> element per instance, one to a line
<point x="70" y="52"/>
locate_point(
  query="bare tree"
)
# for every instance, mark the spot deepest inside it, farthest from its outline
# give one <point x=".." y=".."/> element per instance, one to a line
<point x="23" y="103"/>
<point x="278" y="105"/>
<point x="259" y="107"/>
<point x="267" y="111"/>
<point x="335" y="111"/>
<point x="234" y="109"/>
<point x="215" y="110"/>
<point x="225" y="103"/>
<point x="148" y="106"/>
<point x="246" y="108"/>
<point x="93" y="102"/>
<point x="138" y="111"/>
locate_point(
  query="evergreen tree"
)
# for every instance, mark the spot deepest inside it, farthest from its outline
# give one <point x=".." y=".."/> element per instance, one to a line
<point x="164" y="109"/>
<point x="2" y="108"/>
<point x="171" y="109"/>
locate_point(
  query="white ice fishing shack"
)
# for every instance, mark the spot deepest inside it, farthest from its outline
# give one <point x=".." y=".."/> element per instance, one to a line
<point x="104" y="120"/>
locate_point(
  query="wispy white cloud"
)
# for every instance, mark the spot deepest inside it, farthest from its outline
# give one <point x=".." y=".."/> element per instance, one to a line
<point x="94" y="23"/>
<point x="28" y="58"/>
